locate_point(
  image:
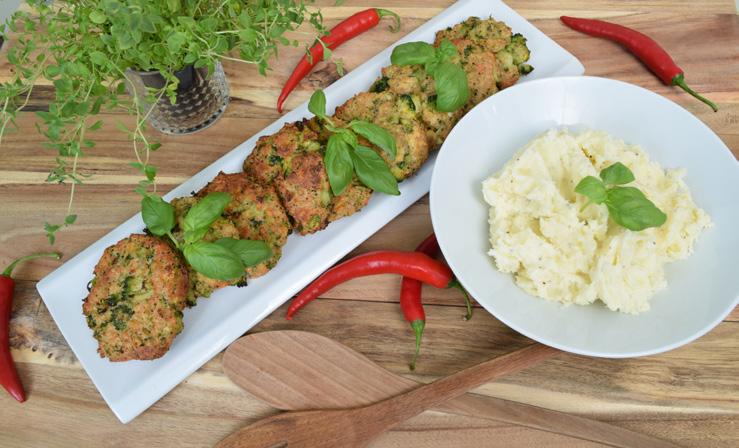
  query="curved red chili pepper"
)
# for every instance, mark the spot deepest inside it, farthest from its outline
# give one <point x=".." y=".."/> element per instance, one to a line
<point x="346" y="30"/>
<point x="410" y="298"/>
<point x="644" y="47"/>
<point x="8" y="374"/>
<point x="409" y="264"/>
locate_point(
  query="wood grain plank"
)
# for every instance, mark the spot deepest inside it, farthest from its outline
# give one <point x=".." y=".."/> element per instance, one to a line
<point x="689" y="384"/>
<point x="690" y="395"/>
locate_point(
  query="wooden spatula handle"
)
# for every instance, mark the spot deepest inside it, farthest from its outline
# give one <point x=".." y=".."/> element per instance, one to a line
<point x="392" y="411"/>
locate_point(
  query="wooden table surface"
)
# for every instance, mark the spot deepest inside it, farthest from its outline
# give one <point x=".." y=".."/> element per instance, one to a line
<point x="689" y="395"/>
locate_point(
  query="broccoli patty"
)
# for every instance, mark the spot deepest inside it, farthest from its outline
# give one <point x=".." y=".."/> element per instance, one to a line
<point x="292" y="161"/>
<point x="413" y="84"/>
<point x="256" y="212"/>
<point x="398" y="116"/>
<point x="273" y="154"/>
<point x="201" y="285"/>
<point x="482" y="70"/>
<point x="510" y="49"/>
<point x="512" y="60"/>
<point x="489" y="33"/>
<point x="136" y="300"/>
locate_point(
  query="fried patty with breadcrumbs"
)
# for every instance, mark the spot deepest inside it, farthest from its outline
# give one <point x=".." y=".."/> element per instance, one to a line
<point x="397" y="115"/>
<point x="201" y="285"/>
<point x="510" y="49"/>
<point x="256" y="212"/>
<point x="292" y="161"/>
<point x="136" y="298"/>
<point x="417" y="87"/>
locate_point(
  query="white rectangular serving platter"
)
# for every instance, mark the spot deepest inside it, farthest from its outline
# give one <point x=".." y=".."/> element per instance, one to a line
<point x="131" y="387"/>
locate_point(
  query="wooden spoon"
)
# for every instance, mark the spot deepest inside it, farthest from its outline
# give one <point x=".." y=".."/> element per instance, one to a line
<point x="357" y="426"/>
<point x="297" y="370"/>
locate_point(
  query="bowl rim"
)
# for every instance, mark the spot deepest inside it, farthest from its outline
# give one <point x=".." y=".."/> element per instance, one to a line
<point x="529" y="334"/>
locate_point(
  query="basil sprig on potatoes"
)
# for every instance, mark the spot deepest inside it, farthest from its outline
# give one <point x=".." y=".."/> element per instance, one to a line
<point x="450" y="80"/>
<point x="345" y="156"/>
<point x="224" y="259"/>
<point x="627" y="206"/>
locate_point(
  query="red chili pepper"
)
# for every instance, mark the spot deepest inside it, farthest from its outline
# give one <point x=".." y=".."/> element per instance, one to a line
<point x="643" y="46"/>
<point x="410" y="298"/>
<point x="8" y="375"/>
<point x="344" y="31"/>
<point x="409" y="264"/>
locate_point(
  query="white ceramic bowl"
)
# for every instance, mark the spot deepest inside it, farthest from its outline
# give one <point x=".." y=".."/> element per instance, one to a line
<point x="701" y="290"/>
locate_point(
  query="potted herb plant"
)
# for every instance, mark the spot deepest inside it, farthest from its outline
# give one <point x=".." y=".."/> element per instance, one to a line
<point x="159" y="60"/>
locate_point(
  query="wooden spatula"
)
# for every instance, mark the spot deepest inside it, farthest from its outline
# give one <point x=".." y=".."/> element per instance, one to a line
<point x="357" y="426"/>
<point x="297" y="370"/>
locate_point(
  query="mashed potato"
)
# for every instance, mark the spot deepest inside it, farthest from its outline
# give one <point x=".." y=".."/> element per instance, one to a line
<point x="556" y="251"/>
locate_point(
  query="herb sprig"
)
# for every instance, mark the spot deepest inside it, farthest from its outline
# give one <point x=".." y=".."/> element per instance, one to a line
<point x="627" y="206"/>
<point x="345" y="156"/>
<point x="85" y="47"/>
<point x="450" y="80"/>
<point x="224" y="259"/>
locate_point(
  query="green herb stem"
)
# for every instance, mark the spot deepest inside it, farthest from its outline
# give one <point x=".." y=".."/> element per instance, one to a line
<point x="9" y="270"/>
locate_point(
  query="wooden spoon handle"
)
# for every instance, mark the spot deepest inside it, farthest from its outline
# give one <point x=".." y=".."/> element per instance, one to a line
<point x="388" y="413"/>
<point x="556" y="422"/>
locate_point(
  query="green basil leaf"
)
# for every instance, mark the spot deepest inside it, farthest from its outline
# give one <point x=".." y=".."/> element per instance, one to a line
<point x="452" y="91"/>
<point x="192" y="236"/>
<point x="158" y="215"/>
<point x="206" y="211"/>
<point x="373" y="171"/>
<point x="617" y="174"/>
<point x="446" y="50"/>
<point x="377" y="135"/>
<point x="431" y="66"/>
<point x="338" y="164"/>
<point x="317" y="104"/>
<point x="213" y="260"/>
<point x="347" y="136"/>
<point x="250" y="252"/>
<point x="630" y="208"/>
<point x="412" y="53"/>
<point x="593" y="188"/>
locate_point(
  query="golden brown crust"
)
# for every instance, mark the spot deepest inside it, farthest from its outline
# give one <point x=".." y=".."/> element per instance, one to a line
<point x="135" y="304"/>
<point x="350" y="201"/>
<point x="256" y="211"/>
<point x="272" y="154"/>
<point x="412" y="83"/>
<point x="305" y="192"/>
<point x="200" y="285"/>
<point x="398" y="117"/>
